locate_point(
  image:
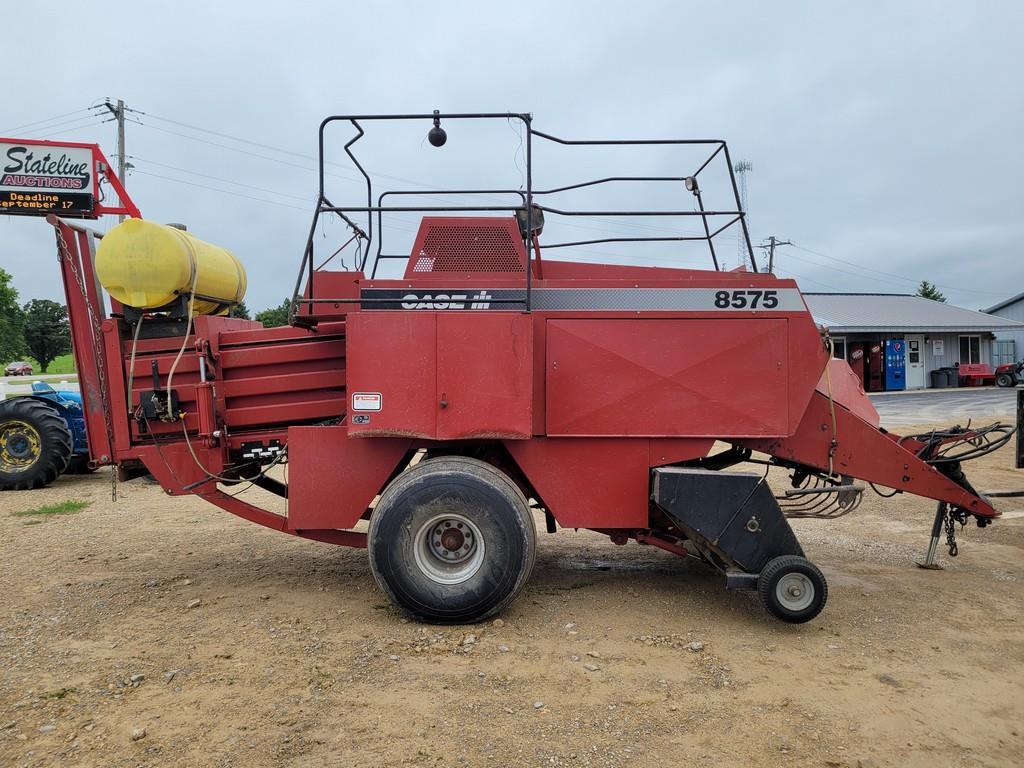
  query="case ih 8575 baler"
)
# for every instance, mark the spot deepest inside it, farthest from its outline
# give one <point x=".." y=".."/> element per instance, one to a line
<point x="491" y="381"/>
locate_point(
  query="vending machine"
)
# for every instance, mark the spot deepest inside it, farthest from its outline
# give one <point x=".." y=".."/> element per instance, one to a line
<point x="895" y="365"/>
<point x="875" y="366"/>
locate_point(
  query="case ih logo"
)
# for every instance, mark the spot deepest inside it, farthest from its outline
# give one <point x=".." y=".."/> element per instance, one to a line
<point x="481" y="300"/>
<point x="45" y="167"/>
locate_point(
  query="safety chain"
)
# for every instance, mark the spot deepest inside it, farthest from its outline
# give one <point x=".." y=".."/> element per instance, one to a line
<point x="97" y="349"/>
<point x="953" y="517"/>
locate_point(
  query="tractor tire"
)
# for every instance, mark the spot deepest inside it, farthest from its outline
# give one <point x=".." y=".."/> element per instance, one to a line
<point x="1004" y="380"/>
<point x="35" y="444"/>
<point x="792" y="589"/>
<point x="452" y="541"/>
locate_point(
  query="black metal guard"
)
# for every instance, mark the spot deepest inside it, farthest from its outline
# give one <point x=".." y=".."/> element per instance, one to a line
<point x="365" y="237"/>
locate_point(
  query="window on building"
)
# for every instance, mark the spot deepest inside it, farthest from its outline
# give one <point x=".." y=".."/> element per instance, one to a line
<point x="970" y="349"/>
<point x="839" y="347"/>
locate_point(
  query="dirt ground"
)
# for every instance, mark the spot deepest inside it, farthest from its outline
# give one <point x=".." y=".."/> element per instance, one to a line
<point x="614" y="656"/>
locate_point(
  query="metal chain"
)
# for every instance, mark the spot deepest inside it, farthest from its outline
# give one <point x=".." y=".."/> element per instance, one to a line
<point x="953" y="517"/>
<point x="97" y="349"/>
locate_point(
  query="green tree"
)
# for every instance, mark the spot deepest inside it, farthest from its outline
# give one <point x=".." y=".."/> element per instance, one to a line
<point x="12" y="322"/>
<point x="929" y="291"/>
<point x="275" y="316"/>
<point x="47" y="333"/>
<point x="240" y="311"/>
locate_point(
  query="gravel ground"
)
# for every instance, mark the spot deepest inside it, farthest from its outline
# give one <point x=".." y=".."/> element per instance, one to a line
<point x="164" y="632"/>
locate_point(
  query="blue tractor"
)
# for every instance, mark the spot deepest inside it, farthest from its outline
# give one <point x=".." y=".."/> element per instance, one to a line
<point x="42" y="436"/>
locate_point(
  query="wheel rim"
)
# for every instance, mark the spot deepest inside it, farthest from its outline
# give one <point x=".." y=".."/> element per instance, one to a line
<point x="20" y="446"/>
<point x="449" y="549"/>
<point x="795" y="592"/>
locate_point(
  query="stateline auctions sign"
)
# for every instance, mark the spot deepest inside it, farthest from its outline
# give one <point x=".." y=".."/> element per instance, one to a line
<point x="37" y="179"/>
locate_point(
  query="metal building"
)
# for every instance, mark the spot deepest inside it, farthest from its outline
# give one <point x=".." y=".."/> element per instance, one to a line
<point x="935" y="335"/>
<point x="1009" y="343"/>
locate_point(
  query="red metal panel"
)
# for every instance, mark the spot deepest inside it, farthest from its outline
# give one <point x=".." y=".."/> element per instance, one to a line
<point x="393" y="354"/>
<point x="865" y="453"/>
<point x="588" y="482"/>
<point x="484" y="375"/>
<point x="332" y="479"/>
<point x="86" y="316"/>
<point x="673" y="450"/>
<point x="846" y="389"/>
<point x="698" y="377"/>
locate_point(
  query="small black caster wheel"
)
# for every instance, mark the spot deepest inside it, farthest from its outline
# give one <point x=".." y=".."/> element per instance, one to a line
<point x="792" y="589"/>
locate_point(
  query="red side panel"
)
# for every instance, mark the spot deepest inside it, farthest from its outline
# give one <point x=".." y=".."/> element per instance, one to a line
<point x="588" y="483"/>
<point x="668" y="377"/>
<point x="865" y="453"/>
<point x="437" y="375"/>
<point x="393" y="355"/>
<point x="484" y="375"/>
<point x="332" y="479"/>
<point x="848" y="391"/>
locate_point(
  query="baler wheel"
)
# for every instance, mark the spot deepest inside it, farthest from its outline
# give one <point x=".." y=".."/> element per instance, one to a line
<point x="452" y="540"/>
<point x="35" y="444"/>
<point x="792" y="589"/>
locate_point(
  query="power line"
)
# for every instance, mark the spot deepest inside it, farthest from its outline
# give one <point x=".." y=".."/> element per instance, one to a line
<point x="222" y="191"/>
<point x="889" y="274"/>
<point x="47" y="120"/>
<point x="309" y="198"/>
<point x="237" y="194"/>
<point x="64" y="131"/>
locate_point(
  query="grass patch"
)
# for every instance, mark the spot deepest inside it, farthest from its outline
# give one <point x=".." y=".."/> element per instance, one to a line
<point x="64" y="364"/>
<point x="49" y="510"/>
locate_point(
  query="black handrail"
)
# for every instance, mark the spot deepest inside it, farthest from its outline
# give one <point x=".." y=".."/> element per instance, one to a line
<point x="366" y="235"/>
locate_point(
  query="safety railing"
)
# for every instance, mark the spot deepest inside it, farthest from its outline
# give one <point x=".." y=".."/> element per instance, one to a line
<point x="529" y="205"/>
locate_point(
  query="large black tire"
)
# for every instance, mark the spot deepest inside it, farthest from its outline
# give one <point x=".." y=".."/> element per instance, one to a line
<point x="1004" y="380"/>
<point x="35" y="444"/>
<point x="452" y="540"/>
<point x="792" y="589"/>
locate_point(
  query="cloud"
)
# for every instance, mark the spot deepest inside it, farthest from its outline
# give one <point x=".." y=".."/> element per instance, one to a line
<point x="886" y="137"/>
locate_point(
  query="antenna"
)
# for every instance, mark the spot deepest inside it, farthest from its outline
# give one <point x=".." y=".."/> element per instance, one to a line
<point x="741" y="169"/>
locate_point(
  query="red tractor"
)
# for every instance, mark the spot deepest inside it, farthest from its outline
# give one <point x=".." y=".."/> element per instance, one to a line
<point x="487" y="383"/>
<point x="1010" y="375"/>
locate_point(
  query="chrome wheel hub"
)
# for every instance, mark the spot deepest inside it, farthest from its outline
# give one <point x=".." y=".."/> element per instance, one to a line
<point x="448" y="548"/>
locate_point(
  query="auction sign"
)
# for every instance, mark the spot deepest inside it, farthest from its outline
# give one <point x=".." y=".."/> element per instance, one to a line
<point x="41" y="177"/>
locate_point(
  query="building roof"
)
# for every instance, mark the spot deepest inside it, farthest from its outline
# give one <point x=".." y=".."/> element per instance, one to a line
<point x="1008" y="302"/>
<point x="888" y="312"/>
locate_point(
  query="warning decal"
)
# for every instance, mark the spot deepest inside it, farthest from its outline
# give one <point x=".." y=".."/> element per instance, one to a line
<point x="366" y="401"/>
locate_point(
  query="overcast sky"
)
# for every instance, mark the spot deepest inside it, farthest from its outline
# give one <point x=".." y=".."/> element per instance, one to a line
<point x="885" y="139"/>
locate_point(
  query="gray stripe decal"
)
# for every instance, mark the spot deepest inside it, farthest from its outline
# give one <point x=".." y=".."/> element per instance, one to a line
<point x="590" y="299"/>
<point x="672" y="299"/>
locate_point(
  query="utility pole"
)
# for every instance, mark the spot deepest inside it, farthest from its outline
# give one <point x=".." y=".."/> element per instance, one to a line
<point x="770" y="247"/>
<point x="118" y="113"/>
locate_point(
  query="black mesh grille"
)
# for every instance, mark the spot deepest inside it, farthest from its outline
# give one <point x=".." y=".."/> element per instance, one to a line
<point x="448" y="248"/>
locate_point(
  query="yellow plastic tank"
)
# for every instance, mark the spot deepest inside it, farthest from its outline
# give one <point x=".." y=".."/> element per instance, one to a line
<point x="146" y="265"/>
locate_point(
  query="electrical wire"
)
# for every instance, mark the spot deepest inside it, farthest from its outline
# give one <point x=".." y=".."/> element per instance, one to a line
<point x="831" y="403"/>
<point x="890" y="274"/>
<point x="304" y="198"/>
<point x="222" y="191"/>
<point x="883" y="495"/>
<point x="47" y="120"/>
<point x="131" y="362"/>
